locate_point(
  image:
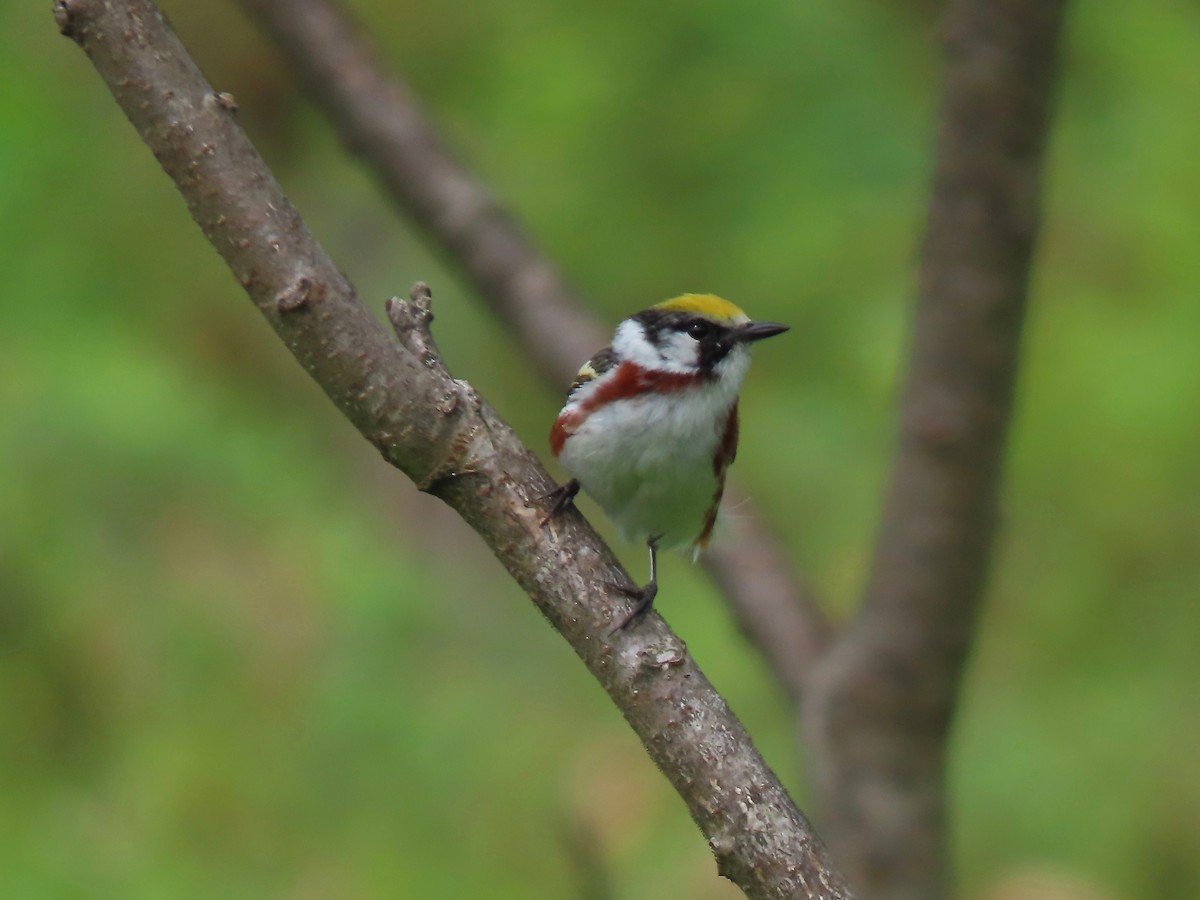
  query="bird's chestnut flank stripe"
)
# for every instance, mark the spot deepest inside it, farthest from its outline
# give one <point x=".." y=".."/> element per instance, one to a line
<point x="629" y="380"/>
<point x="727" y="449"/>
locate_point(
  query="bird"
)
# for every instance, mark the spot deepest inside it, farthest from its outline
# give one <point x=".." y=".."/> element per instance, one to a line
<point x="650" y="426"/>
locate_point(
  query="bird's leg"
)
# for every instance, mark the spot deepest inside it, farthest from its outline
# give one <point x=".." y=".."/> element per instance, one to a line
<point x="643" y="595"/>
<point x="560" y="498"/>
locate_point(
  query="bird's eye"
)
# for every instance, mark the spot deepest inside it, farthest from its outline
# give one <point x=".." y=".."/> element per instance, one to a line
<point x="699" y="330"/>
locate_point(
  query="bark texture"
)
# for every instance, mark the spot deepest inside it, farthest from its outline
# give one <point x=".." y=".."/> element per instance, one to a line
<point x="878" y="715"/>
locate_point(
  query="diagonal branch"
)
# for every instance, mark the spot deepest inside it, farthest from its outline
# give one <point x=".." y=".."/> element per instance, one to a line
<point x="444" y="436"/>
<point x="380" y="119"/>
<point x="882" y="704"/>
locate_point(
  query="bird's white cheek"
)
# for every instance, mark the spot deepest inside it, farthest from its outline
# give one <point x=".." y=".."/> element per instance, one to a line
<point x="679" y="353"/>
<point x="630" y="343"/>
<point x="675" y="352"/>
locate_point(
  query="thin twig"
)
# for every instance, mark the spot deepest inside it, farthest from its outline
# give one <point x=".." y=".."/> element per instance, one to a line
<point x="380" y="119"/>
<point x="442" y="435"/>
<point x="881" y="704"/>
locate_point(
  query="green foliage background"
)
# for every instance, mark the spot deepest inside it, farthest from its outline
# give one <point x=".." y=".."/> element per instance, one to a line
<point x="240" y="657"/>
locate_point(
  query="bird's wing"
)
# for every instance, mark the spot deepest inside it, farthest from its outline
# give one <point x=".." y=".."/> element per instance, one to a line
<point x="593" y="368"/>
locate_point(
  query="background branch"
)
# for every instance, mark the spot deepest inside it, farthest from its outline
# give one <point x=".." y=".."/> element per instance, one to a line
<point x="879" y="713"/>
<point x="379" y="118"/>
<point x="439" y="431"/>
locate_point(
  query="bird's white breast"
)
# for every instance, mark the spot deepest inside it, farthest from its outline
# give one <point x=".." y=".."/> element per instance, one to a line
<point x="648" y="459"/>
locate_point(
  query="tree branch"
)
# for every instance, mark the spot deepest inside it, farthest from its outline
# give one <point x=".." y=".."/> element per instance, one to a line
<point x="442" y="435"/>
<point x="881" y="705"/>
<point x="380" y="119"/>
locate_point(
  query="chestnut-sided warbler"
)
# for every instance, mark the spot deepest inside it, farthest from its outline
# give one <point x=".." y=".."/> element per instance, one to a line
<point x="650" y="425"/>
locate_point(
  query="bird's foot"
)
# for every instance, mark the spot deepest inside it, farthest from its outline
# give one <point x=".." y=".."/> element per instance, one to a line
<point x="643" y="598"/>
<point x="559" y="499"/>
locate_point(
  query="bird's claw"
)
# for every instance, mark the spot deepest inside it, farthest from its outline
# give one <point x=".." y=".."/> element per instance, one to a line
<point x="559" y="499"/>
<point x="643" y="598"/>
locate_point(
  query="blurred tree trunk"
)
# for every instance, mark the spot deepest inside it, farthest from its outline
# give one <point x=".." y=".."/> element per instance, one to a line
<point x="878" y="712"/>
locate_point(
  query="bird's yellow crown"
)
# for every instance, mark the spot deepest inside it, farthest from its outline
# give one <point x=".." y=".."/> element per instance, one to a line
<point x="709" y="305"/>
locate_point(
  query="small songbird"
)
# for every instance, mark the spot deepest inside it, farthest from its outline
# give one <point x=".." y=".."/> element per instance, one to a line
<point x="650" y="425"/>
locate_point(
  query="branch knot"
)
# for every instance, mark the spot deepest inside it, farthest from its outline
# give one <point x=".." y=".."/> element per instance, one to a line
<point x="64" y="16"/>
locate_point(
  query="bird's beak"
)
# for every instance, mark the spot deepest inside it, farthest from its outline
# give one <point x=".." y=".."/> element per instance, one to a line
<point x="756" y="331"/>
